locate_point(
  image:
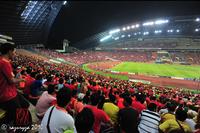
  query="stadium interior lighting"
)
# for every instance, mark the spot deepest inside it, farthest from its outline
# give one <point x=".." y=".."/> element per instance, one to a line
<point x="65" y="2"/>
<point x="157" y="31"/>
<point x="128" y="27"/>
<point x="114" y="31"/>
<point x="170" y="31"/>
<point x="145" y="33"/>
<point x="197" y="19"/>
<point x="28" y="9"/>
<point x="122" y="36"/>
<point x="196" y="30"/>
<point x="177" y="30"/>
<point x="161" y="21"/>
<point x="124" y="28"/>
<point x="148" y="23"/>
<point x="116" y="38"/>
<point x="135" y="34"/>
<point x="137" y="25"/>
<point x="133" y="26"/>
<point x="105" y="38"/>
<point x="129" y="35"/>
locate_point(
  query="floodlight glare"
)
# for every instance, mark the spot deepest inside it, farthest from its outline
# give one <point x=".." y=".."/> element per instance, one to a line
<point x="105" y="38"/>
<point x="161" y="21"/>
<point x="137" y="25"/>
<point x="116" y="38"/>
<point x="177" y="30"/>
<point x="114" y="31"/>
<point x="157" y="31"/>
<point x="196" y="30"/>
<point x="197" y="19"/>
<point x="128" y="27"/>
<point x="133" y="26"/>
<point x="148" y="23"/>
<point x="124" y="29"/>
<point x="129" y="35"/>
<point x="65" y="2"/>
<point x="122" y="36"/>
<point x="146" y="33"/>
<point x="170" y="31"/>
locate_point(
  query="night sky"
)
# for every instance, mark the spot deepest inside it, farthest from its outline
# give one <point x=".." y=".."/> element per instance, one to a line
<point x="79" y="20"/>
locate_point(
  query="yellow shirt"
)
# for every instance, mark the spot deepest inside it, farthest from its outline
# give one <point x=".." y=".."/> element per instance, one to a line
<point x="171" y="124"/>
<point x="167" y="116"/>
<point x="111" y="110"/>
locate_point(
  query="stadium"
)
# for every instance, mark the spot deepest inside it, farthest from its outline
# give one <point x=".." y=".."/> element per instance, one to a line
<point x="149" y="67"/>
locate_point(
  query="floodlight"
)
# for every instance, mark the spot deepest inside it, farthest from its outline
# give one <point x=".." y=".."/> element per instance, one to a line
<point x="137" y="25"/>
<point x="122" y="36"/>
<point x="65" y="2"/>
<point x="105" y="38"/>
<point x="129" y="35"/>
<point x="124" y="29"/>
<point x="133" y="26"/>
<point x="178" y="30"/>
<point x="161" y="21"/>
<point x="135" y="34"/>
<point x="157" y="31"/>
<point x="196" y="30"/>
<point x="170" y="31"/>
<point x="114" y="31"/>
<point x="128" y="27"/>
<point x="148" y="23"/>
<point x="116" y="38"/>
<point x="146" y="33"/>
<point x="197" y="19"/>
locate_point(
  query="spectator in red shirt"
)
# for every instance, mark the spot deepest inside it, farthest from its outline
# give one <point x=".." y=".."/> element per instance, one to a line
<point x="9" y="99"/>
<point x="139" y="103"/>
<point x="99" y="115"/>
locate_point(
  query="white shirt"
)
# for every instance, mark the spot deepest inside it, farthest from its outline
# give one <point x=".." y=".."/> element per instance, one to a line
<point x="60" y="121"/>
<point x="191" y="123"/>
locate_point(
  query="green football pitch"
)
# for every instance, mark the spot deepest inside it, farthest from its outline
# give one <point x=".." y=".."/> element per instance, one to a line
<point x="174" y="70"/>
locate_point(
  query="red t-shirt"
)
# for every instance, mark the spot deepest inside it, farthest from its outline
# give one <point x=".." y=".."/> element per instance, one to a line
<point x="8" y="90"/>
<point x="120" y="103"/>
<point x="138" y="106"/>
<point x="99" y="116"/>
<point x="28" y="83"/>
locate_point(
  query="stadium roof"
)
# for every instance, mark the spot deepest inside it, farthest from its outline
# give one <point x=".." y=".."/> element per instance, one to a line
<point x="28" y="22"/>
<point x="32" y="22"/>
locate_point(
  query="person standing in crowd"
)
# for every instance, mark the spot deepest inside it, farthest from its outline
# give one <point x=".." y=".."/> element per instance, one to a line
<point x="84" y="121"/>
<point x="111" y="108"/>
<point x="56" y="118"/>
<point x="128" y="117"/>
<point x="99" y="115"/>
<point x="10" y="100"/>
<point x="149" y="120"/>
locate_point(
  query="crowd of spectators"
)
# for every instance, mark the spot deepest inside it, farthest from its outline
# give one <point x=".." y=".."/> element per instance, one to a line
<point x="121" y="55"/>
<point x="68" y="99"/>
